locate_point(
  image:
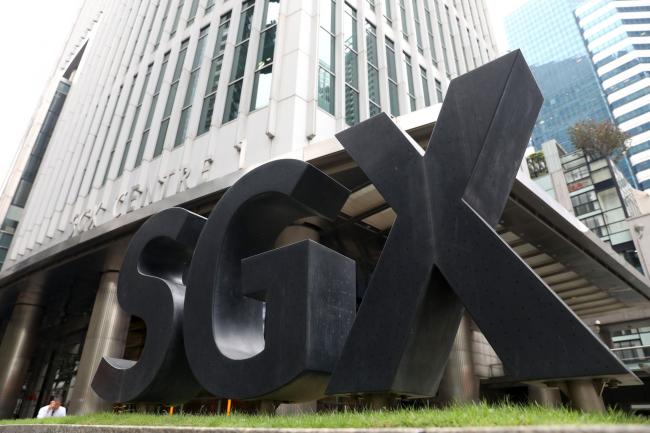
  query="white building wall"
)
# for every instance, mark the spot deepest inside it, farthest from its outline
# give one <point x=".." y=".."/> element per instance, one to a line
<point x="69" y="196"/>
<point x="616" y="34"/>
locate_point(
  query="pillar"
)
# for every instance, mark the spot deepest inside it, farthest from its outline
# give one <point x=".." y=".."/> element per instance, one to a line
<point x="545" y="396"/>
<point x="459" y="382"/>
<point x="585" y="396"/>
<point x="106" y="336"/>
<point x="290" y="235"/>
<point x="18" y="345"/>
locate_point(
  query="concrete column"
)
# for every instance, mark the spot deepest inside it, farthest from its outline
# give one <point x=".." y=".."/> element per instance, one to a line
<point x="18" y="345"/>
<point x="290" y="235"/>
<point x="545" y="396"/>
<point x="459" y="382"/>
<point x="584" y="395"/>
<point x="106" y="336"/>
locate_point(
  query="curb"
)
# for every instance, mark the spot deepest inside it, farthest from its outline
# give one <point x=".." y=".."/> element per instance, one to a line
<point x="59" y="428"/>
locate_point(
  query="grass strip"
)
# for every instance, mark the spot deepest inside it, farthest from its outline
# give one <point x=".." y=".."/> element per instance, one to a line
<point x="481" y="414"/>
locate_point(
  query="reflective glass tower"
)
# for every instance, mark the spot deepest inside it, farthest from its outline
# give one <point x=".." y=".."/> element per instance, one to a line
<point x="547" y="34"/>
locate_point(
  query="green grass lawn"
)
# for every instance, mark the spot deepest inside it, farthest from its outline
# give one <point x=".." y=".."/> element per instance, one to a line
<point x="471" y="415"/>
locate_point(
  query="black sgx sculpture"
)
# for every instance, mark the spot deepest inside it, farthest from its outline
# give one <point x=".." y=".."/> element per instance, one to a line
<point x="226" y="312"/>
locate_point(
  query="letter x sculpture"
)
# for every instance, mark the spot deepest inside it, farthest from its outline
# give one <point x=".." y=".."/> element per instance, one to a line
<point x="227" y="312"/>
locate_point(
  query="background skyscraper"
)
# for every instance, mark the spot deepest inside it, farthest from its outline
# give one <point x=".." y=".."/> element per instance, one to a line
<point x="617" y="36"/>
<point x="548" y="36"/>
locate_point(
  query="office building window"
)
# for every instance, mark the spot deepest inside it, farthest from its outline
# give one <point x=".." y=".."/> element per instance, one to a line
<point x="136" y="115"/>
<point x="371" y="4"/>
<point x="350" y="42"/>
<point x="452" y="38"/>
<point x="209" y="6"/>
<point x="373" y="70"/>
<point x="146" y="39"/>
<point x="264" y="64"/>
<point x="152" y="109"/>
<point x="326" y="55"/>
<point x="409" y="78"/>
<point x="193" y="9"/>
<point x="239" y="62"/>
<point x="402" y="11"/>
<point x="388" y="13"/>
<point x="215" y="72"/>
<point x="418" y="30"/>
<point x="177" y="18"/>
<point x="95" y="174"/>
<point x="438" y="90"/>
<point x="161" y="29"/>
<point x="119" y="130"/>
<point x="391" y="66"/>
<point x="425" y="86"/>
<point x="171" y="97"/>
<point x="463" y="46"/>
<point x="443" y="44"/>
<point x="181" y="132"/>
<point x="432" y="46"/>
<point x="585" y="203"/>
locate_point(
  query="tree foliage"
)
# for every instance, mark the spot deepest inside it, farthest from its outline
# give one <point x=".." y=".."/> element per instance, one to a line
<point x="599" y="139"/>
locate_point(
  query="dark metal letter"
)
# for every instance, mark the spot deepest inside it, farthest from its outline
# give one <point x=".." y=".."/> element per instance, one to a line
<point x="442" y="252"/>
<point x="152" y="286"/>
<point x="266" y="324"/>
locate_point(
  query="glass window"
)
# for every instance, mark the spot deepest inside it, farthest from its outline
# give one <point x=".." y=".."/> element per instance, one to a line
<point x="404" y="21"/>
<point x="418" y="30"/>
<point x="326" y="54"/>
<point x="152" y="109"/>
<point x="425" y="86"/>
<point x="373" y="70"/>
<point x="231" y="110"/>
<point x="177" y="18"/>
<point x="409" y="78"/>
<point x="264" y="66"/>
<point x="163" y="22"/>
<point x="577" y="173"/>
<point x="391" y="67"/>
<point x="388" y="15"/>
<point x="119" y="130"/>
<point x="171" y="97"/>
<point x="351" y="65"/>
<point x="432" y="46"/>
<point x="181" y="132"/>
<point x="209" y="6"/>
<point x="193" y="8"/>
<point x="215" y="72"/>
<point x="439" y="90"/>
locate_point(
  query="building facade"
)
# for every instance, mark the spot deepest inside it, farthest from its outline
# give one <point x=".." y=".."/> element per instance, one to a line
<point x="594" y="190"/>
<point x="616" y="34"/>
<point x="188" y="92"/>
<point x="547" y="34"/>
<point x="159" y="103"/>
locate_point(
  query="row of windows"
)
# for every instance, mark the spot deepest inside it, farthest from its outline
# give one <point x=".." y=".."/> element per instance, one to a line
<point x="162" y="101"/>
<point x="620" y="53"/>
<point x="629" y="98"/>
<point x="585" y="203"/>
<point x="603" y="45"/>
<point x="633" y="114"/>
<point x="326" y="71"/>
<point x="624" y="67"/>
<point x="261" y="85"/>
<point x="627" y="82"/>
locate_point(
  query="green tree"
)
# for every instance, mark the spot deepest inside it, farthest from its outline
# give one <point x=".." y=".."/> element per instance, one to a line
<point x="599" y="139"/>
